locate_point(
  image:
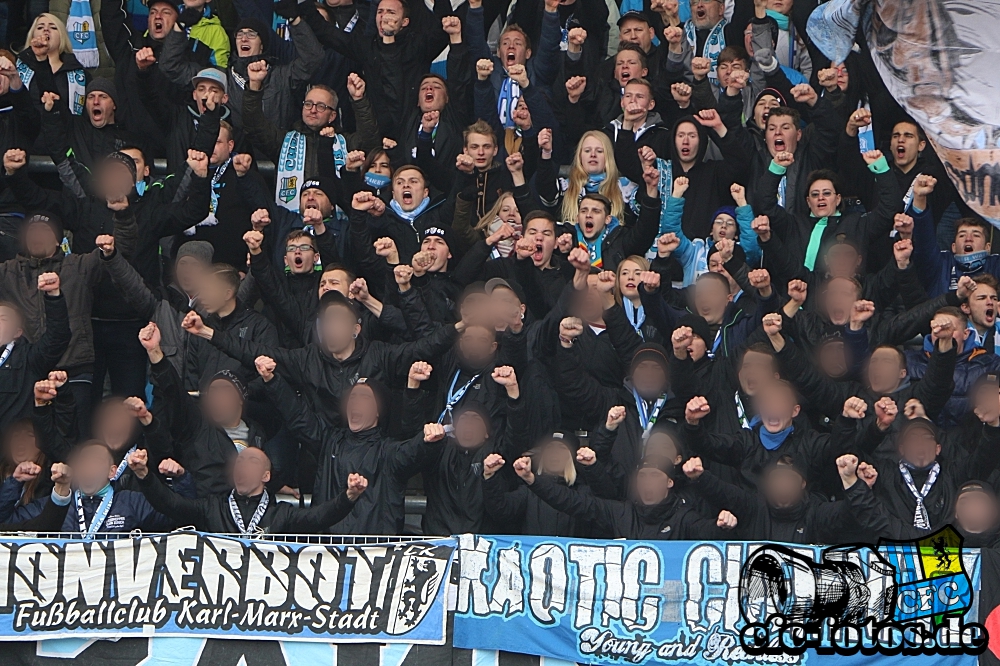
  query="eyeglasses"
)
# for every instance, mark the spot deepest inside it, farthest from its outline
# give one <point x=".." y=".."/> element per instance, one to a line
<point x="703" y="2"/>
<point x="320" y="106"/>
<point x="305" y="247"/>
<point x="247" y="34"/>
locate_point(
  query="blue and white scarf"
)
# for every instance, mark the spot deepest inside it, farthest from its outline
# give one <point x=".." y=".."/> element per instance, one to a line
<point x="83" y="33"/>
<point x="714" y="44"/>
<point x="107" y="493"/>
<point x="291" y="170"/>
<point x="636" y="316"/>
<point x="920" y="518"/>
<point x="510" y="93"/>
<point x="411" y="215"/>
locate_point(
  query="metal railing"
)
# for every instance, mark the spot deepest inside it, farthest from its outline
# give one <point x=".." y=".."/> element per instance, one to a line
<point x="307" y="539"/>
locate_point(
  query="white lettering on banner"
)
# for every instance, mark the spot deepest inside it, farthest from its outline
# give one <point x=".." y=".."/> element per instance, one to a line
<point x="509" y="591"/>
<point x="473" y="564"/>
<point x="213" y="583"/>
<point x="548" y="582"/>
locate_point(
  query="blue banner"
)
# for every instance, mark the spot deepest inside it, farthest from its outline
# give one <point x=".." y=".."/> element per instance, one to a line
<point x="629" y="602"/>
<point x="188" y="584"/>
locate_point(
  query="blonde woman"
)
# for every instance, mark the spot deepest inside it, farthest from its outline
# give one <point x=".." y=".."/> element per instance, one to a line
<point x="627" y="296"/>
<point x="47" y="65"/>
<point x="593" y="170"/>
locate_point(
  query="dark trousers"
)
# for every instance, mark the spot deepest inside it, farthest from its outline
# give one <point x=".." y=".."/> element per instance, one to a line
<point x="118" y="353"/>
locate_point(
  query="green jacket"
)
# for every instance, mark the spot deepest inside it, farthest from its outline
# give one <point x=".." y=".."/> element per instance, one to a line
<point x="209" y="31"/>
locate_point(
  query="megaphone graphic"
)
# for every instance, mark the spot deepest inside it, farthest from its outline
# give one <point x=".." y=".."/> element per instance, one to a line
<point x="851" y="584"/>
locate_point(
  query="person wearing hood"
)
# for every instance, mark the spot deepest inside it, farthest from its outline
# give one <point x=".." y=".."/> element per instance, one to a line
<point x="409" y="213"/>
<point x="395" y="57"/>
<point x="24" y="362"/>
<point x="970" y="252"/>
<point x="885" y="373"/>
<point x="510" y="504"/>
<point x="359" y="446"/>
<point x="307" y="146"/>
<point x="710" y="180"/>
<point x="328" y="367"/>
<point x="782" y="508"/>
<point x="135" y="53"/>
<point x="202" y="435"/>
<point x="805" y="236"/>
<point x="972" y="363"/>
<point x="47" y="65"/>
<point x="225" y="312"/>
<point x="638" y="126"/>
<point x="652" y="511"/>
<point x="773" y="433"/>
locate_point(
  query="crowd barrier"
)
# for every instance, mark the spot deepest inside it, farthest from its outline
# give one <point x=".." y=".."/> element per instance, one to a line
<point x="189" y="598"/>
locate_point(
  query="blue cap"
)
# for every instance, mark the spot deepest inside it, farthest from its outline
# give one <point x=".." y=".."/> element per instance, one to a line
<point x="213" y="75"/>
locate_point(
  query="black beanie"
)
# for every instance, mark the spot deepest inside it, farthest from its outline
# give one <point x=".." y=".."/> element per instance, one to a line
<point x="51" y="219"/>
<point x="232" y="378"/>
<point x="104" y="85"/>
<point x="257" y="26"/>
<point x="650" y="351"/>
<point x="325" y="184"/>
<point x="698" y="326"/>
<point x="124" y="159"/>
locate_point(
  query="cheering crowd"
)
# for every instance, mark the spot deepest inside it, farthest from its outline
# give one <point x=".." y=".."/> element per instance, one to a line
<point x="646" y="271"/>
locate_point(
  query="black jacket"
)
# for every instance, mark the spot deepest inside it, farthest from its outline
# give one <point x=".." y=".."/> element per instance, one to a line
<point x="387" y="463"/>
<point x="205" y="360"/>
<point x="213" y="514"/>
<point x="517" y="510"/>
<point x="31" y="361"/>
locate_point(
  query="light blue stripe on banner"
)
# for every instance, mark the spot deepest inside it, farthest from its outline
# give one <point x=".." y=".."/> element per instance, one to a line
<point x="62" y="648"/>
<point x="176" y="651"/>
<point x="320" y="654"/>
<point x="393" y="654"/>
<point x="485" y="658"/>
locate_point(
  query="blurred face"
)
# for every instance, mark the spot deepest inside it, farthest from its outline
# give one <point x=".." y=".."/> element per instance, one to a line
<point x="838" y="300"/>
<point x="335" y="280"/>
<point x="10" y="325"/>
<point x="776" y="406"/>
<point x="982" y="307"/>
<point x="433" y="95"/>
<point x="339" y="327"/>
<point x="628" y="279"/>
<point x="381" y="165"/>
<point x="215" y="293"/>
<point x="189" y="272"/>
<point x="318" y="109"/>
<point x="513" y="49"/>
<point x="223" y="148"/>
<point x="470" y="430"/>
<point x="842" y="260"/>
<point x="362" y="409"/>
<point x="556" y="458"/>
<point x="93" y="467"/>
<point x="100" y="109"/>
<point x="115" y="180"/>
<point x="976" y="512"/>
<point x="885" y="370"/>
<point x="315" y="198"/>
<point x="662" y="444"/>
<point x="762" y="111"/>
<point x="906" y="145"/>
<point x="652" y="486"/>
<point x="506" y="306"/>
<point x="300" y="256"/>
<point x="918" y="447"/>
<point x="781" y="134"/>
<point x="822" y="198"/>
<point x="637" y="32"/>
<point x="476" y="306"/>
<point x="389" y="18"/>
<point x="756" y="370"/>
<point x="969" y="239"/>
<point x="706" y="13"/>
<point x="438" y="248"/>
<point x="649" y="379"/>
<point x="161" y="20"/>
<point x="628" y="65"/>
<point x="592" y="156"/>
<point x="223" y="404"/>
<point x="408" y="189"/>
<point x="590" y="307"/>
<point x="22" y="445"/>
<point x="141" y="168"/>
<point x="715" y="265"/>
<point x="46" y="29"/>
<point x="205" y="88"/>
<point x="482" y="149"/>
<point x="783" y="487"/>
<point x="248" y="43"/>
<point x="832" y="359"/>
<point x="40" y="240"/>
<point x="251" y="471"/>
<point x="114" y="426"/>
<point x="541" y="231"/>
<point x="780" y="6"/>
<point x="724" y="226"/>
<point x="636" y="98"/>
<point x="592" y="218"/>
<point x="725" y="69"/>
<point x="710" y="300"/>
<point x="477" y="345"/>
<point x="686" y="141"/>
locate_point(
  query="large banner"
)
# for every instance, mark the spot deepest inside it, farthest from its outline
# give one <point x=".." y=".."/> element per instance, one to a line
<point x="938" y="59"/>
<point x="668" y="602"/>
<point x="191" y="584"/>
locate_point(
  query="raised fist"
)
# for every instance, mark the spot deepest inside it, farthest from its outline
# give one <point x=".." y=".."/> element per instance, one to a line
<point x="433" y="432"/>
<point x="803" y="93"/>
<point x="726" y="520"/>
<point x="144" y="58"/>
<point x="171" y="468"/>
<point x="265" y="367"/>
<point x="149" y="336"/>
<point x="106" y="243"/>
<point x="242" y="163"/>
<point x="855" y="408"/>
<point x="570" y="329"/>
<point x="761" y="226"/>
<point x="772" y="324"/>
<point x="492" y="465"/>
<point x="696" y="409"/>
<point x="356" y="485"/>
<point x="650" y="280"/>
<point x="667" y="244"/>
<point x="505" y="376"/>
<point x="253" y="239"/>
<point x="48" y="283"/>
<point x="484" y="68"/>
<point x="26" y="471"/>
<point x="616" y="416"/>
<point x="13" y="160"/>
<point x="522" y="467"/>
<point x="420" y="372"/>
<point x="260" y="218"/>
<point x="872" y="156"/>
<point x="49" y="100"/>
<point x="693" y="468"/>
<point x="847" y="467"/>
<point x="579" y="259"/>
<point x="586" y="456"/>
<point x="137" y="463"/>
<point x="784" y="159"/>
<point x="355" y="86"/>
<point x="885" y="412"/>
<point x="137" y="408"/>
<point x="798" y="291"/>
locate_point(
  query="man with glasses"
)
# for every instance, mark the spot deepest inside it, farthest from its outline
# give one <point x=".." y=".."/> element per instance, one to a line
<point x="312" y="147"/>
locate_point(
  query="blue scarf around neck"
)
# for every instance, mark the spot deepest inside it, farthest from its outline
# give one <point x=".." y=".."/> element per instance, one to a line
<point x="771" y="440"/>
<point x="413" y="214"/>
<point x="594" y="181"/>
<point x="779" y="18"/>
